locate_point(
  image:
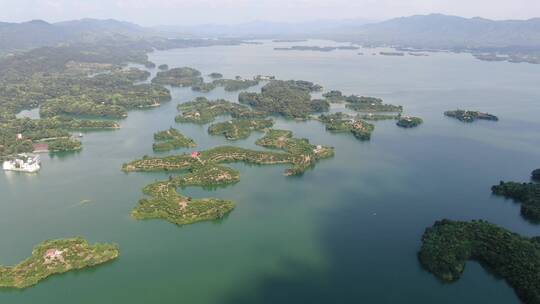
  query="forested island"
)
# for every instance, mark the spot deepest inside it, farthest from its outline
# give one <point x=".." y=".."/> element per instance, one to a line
<point x="370" y="104"/>
<point x="19" y="135"/>
<point x="171" y="139"/>
<point x="55" y="257"/>
<point x="233" y="85"/>
<point x="341" y="122"/>
<point x="448" y="245"/>
<point x="291" y="99"/>
<point x="203" y="111"/>
<point x="527" y="194"/>
<point x="470" y="116"/>
<point x="82" y="80"/>
<point x="204" y="169"/>
<point x="239" y="128"/>
<point x="179" y="77"/>
<point x="409" y="122"/>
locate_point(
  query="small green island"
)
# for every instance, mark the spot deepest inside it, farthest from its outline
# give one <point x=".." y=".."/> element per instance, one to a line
<point x="409" y="122"/>
<point x="341" y="123"/>
<point x="233" y="85"/>
<point x="204" y="169"/>
<point x="179" y="77"/>
<point x="448" y="245"/>
<point x="56" y="257"/>
<point x="370" y="104"/>
<point x="203" y="111"/>
<point x="377" y="117"/>
<point x="163" y="67"/>
<point x="470" y="116"/>
<point x="528" y="194"/>
<point x="239" y="128"/>
<point x="171" y="139"/>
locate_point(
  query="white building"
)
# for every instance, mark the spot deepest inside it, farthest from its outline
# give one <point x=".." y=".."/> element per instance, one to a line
<point x="24" y="163"/>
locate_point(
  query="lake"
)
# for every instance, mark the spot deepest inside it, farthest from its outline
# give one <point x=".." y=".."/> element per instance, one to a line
<point x="347" y="231"/>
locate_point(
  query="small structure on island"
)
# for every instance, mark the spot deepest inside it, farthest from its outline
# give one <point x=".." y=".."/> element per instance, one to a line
<point x="195" y="154"/>
<point x="19" y="136"/>
<point x="29" y="163"/>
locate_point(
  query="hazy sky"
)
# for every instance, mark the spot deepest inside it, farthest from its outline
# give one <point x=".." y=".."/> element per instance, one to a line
<point x="160" y="12"/>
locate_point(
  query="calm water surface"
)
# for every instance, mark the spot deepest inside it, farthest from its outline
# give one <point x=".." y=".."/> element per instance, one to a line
<point x="346" y="232"/>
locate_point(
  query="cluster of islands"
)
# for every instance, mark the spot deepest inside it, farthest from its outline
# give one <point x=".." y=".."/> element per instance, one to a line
<point x="84" y="88"/>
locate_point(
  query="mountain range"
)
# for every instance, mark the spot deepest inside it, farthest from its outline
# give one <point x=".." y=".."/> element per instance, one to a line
<point x="421" y="31"/>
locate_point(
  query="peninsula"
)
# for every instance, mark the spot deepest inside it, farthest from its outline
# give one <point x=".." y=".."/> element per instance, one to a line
<point x="171" y="139"/>
<point x="448" y="245"/>
<point x="527" y="194"/>
<point x="55" y="257"/>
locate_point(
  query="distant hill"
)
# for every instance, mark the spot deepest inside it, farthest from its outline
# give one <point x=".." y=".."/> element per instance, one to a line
<point x="14" y="36"/>
<point x="38" y="33"/>
<point x="446" y="32"/>
<point x="102" y="27"/>
<point x="434" y="31"/>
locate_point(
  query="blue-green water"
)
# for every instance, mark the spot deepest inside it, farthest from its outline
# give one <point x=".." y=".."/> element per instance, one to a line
<point x="346" y="232"/>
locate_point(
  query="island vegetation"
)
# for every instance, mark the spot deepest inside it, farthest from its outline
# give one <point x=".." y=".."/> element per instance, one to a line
<point x="163" y="67"/>
<point x="203" y="111"/>
<point x="64" y="145"/>
<point x="370" y="104"/>
<point x="171" y="139"/>
<point x="18" y="135"/>
<point x="527" y="194"/>
<point x="204" y="169"/>
<point x="448" y="245"/>
<point x="56" y="257"/>
<point x="470" y="116"/>
<point x="166" y="203"/>
<point x="409" y="122"/>
<point x="179" y="77"/>
<point x="377" y="117"/>
<point x="239" y="128"/>
<point x="341" y="122"/>
<point x="233" y="85"/>
<point x="334" y="96"/>
<point x="291" y="99"/>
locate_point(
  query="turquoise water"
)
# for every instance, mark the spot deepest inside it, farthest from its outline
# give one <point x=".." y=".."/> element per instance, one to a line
<point x="345" y="232"/>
